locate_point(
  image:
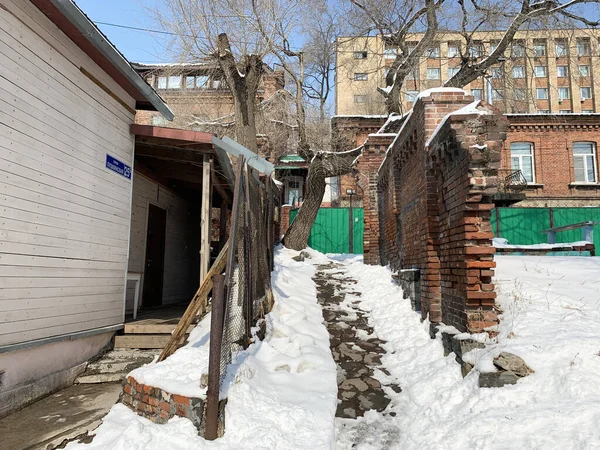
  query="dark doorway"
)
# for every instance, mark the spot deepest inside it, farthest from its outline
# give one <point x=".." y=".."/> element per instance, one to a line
<point x="155" y="257"/>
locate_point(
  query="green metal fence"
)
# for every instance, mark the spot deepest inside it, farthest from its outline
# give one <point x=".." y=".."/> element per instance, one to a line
<point x="331" y="231"/>
<point x="523" y="226"/>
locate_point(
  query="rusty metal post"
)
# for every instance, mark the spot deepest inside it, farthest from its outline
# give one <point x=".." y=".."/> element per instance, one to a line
<point x="214" y="359"/>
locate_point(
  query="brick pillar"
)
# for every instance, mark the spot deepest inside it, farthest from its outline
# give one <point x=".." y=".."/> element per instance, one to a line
<point x="285" y="219"/>
<point x="368" y="165"/>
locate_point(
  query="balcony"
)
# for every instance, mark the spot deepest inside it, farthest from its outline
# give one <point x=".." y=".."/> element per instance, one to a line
<point x="511" y="189"/>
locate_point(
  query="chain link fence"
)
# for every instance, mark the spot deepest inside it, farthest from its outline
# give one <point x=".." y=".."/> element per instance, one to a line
<point x="247" y="295"/>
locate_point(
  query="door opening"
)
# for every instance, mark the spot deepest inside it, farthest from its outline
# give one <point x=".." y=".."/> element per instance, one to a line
<point x="155" y="256"/>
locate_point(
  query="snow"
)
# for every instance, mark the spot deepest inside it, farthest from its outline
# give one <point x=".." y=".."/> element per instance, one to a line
<point x="283" y="391"/>
<point x="551" y="319"/>
<point x="180" y="373"/>
<point x="471" y="108"/>
<point x="503" y="243"/>
<point x="428" y="92"/>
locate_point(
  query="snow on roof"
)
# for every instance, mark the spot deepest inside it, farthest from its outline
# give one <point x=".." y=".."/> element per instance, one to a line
<point x="471" y="108"/>
<point x="406" y="120"/>
<point x="428" y="92"/>
<point x="391" y="123"/>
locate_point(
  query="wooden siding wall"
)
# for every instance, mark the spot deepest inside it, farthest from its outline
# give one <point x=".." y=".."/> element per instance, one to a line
<point x="64" y="217"/>
<point x="182" y="240"/>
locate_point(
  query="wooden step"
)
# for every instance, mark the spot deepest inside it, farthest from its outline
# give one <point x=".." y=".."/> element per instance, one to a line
<point x="141" y="340"/>
<point x="151" y="328"/>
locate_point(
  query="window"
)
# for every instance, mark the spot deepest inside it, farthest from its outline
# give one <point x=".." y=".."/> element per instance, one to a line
<point x="497" y="94"/>
<point x="293" y="190"/>
<point x="540" y="71"/>
<point x="361" y="77"/>
<point x="411" y="96"/>
<point x="390" y="53"/>
<point x="190" y="82"/>
<point x="584" y="162"/>
<point x="476" y="51"/>
<point x="583" y="47"/>
<point x="201" y="81"/>
<point x="360" y="55"/>
<point x="433" y="73"/>
<point x="587" y="111"/>
<point x="452" y="71"/>
<point x="518" y="72"/>
<point x="360" y="99"/>
<point x="216" y="84"/>
<point x="453" y="51"/>
<point x="174" y="82"/>
<point x="543" y="111"/>
<point x="539" y="49"/>
<point x="496" y="72"/>
<point x="562" y="71"/>
<point x="564" y="93"/>
<point x="493" y="46"/>
<point x="564" y="111"/>
<point x="162" y="82"/>
<point x="520" y="94"/>
<point x="561" y="48"/>
<point x="585" y="92"/>
<point x="584" y="71"/>
<point x="518" y="50"/>
<point x="477" y="94"/>
<point x="159" y="121"/>
<point x="541" y="93"/>
<point x="521" y="158"/>
<point x="433" y="52"/>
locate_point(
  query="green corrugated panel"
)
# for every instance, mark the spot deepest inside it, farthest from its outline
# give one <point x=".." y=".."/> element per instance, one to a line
<point x="493" y="223"/>
<point x="331" y="231"/>
<point x="359" y="230"/>
<point x="568" y="216"/>
<point x="523" y="226"/>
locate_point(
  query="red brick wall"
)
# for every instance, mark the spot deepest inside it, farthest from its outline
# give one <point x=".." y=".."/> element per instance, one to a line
<point x="367" y="167"/>
<point x="435" y="208"/>
<point x="552" y="138"/>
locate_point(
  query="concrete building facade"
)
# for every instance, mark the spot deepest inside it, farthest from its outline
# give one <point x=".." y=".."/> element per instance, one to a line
<point x="544" y="71"/>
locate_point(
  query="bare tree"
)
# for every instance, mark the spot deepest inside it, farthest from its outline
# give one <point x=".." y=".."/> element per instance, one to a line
<point x="396" y="21"/>
<point x="203" y="29"/>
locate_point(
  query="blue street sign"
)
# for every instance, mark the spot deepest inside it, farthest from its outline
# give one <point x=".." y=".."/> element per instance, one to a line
<point x="117" y="166"/>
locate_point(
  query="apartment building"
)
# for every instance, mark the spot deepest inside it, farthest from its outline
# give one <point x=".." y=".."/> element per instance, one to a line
<point x="544" y="71"/>
<point x="198" y="94"/>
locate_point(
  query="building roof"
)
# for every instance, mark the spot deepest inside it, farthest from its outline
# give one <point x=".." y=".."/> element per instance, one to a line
<point x="72" y="21"/>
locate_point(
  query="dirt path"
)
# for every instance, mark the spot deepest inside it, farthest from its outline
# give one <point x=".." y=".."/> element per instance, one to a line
<point x="355" y="349"/>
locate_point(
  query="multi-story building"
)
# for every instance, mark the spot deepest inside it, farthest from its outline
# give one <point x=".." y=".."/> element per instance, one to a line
<point x="544" y="71"/>
<point x="198" y="95"/>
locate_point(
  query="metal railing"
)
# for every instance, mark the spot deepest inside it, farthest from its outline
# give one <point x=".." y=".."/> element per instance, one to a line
<point x="511" y="180"/>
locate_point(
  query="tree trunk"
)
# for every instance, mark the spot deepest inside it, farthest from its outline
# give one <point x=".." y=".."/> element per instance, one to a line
<point x="296" y="236"/>
<point x="245" y="117"/>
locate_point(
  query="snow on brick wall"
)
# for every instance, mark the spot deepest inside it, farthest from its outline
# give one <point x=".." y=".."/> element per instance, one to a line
<point x="435" y="207"/>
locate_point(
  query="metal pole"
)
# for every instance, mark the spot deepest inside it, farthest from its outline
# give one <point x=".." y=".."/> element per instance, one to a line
<point x="214" y="358"/>
<point x="351" y="227"/>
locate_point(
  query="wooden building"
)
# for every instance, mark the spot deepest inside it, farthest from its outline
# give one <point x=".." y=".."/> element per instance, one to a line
<point x="67" y="101"/>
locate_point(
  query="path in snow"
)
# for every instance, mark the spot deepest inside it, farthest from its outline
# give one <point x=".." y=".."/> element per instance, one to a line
<point x="355" y="349"/>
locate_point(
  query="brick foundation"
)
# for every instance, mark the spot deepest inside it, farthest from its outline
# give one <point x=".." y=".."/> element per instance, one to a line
<point x="159" y="406"/>
<point x="435" y="200"/>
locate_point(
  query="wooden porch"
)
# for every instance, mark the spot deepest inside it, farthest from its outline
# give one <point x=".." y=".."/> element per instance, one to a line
<point x="152" y="328"/>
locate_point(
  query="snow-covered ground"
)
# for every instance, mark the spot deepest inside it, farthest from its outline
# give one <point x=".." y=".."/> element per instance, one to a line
<point x="551" y="319"/>
<point x="283" y="393"/>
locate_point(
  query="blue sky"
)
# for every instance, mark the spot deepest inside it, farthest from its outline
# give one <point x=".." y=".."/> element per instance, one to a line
<point x="135" y="45"/>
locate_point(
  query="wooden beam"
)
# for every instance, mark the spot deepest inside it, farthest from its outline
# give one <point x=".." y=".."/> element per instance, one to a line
<point x="219" y="187"/>
<point x="170" y="154"/>
<point x="197" y="306"/>
<point x="205" y="218"/>
<point x="171" y="133"/>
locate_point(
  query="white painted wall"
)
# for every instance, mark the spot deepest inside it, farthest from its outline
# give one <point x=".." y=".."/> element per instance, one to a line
<point x="64" y="217"/>
<point x="181" y="242"/>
